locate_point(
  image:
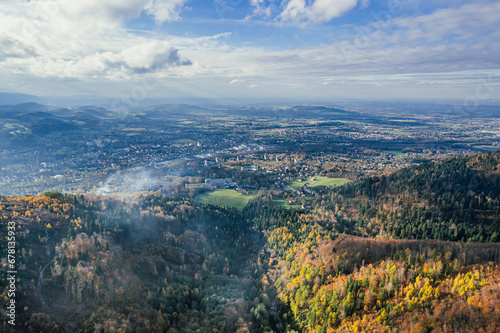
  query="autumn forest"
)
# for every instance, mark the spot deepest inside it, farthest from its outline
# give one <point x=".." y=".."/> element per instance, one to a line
<point x="410" y="251"/>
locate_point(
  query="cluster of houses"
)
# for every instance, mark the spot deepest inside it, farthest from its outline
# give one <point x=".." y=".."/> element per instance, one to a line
<point x="305" y="190"/>
<point x="241" y="190"/>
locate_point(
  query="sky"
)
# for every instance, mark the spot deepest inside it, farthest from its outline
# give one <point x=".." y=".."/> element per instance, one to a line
<point x="252" y="49"/>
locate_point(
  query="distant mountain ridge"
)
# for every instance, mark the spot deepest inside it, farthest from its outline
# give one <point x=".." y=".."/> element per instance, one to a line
<point x="15" y="98"/>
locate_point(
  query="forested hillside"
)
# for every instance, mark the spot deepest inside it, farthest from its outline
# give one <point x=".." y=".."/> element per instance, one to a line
<point x="157" y="263"/>
<point x="151" y="264"/>
<point x="456" y="199"/>
<point x="353" y="284"/>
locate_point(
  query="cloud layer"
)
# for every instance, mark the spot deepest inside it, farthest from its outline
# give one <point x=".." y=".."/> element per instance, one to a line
<point x="44" y="44"/>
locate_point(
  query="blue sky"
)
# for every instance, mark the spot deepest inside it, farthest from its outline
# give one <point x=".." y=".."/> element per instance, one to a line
<point x="252" y="49"/>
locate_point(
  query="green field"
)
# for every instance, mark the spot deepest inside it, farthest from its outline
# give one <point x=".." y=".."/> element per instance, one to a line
<point x="284" y="203"/>
<point x="320" y="181"/>
<point x="395" y="152"/>
<point x="487" y="147"/>
<point x="225" y="198"/>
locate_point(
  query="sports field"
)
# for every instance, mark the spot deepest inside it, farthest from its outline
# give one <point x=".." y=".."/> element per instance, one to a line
<point x="224" y="198"/>
<point x="320" y="181"/>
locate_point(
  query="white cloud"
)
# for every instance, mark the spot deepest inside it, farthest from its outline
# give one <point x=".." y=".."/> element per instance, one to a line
<point x="319" y="11"/>
<point x="165" y="10"/>
<point x="85" y="38"/>
<point x="115" y="10"/>
<point x="236" y="81"/>
<point x="302" y="12"/>
<point x="151" y="56"/>
<point x="261" y="8"/>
